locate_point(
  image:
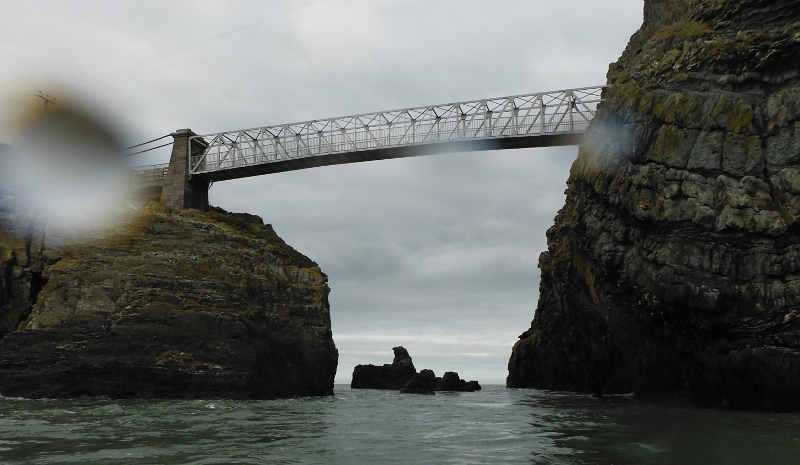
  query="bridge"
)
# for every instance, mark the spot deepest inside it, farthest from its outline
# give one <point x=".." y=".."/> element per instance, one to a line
<point x="533" y="120"/>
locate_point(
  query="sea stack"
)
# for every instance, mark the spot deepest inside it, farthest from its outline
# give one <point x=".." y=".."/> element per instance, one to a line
<point x="167" y="305"/>
<point x="401" y="375"/>
<point x="673" y="269"/>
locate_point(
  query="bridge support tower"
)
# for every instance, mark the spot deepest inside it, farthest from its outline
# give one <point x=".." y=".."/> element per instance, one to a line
<point x="180" y="191"/>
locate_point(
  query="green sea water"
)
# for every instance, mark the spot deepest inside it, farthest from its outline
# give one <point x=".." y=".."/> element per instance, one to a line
<point x="495" y="425"/>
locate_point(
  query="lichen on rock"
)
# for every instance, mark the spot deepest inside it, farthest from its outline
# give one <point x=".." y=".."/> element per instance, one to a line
<point x="672" y="270"/>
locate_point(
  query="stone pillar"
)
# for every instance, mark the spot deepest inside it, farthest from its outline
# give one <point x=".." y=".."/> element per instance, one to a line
<point x="180" y="191"/>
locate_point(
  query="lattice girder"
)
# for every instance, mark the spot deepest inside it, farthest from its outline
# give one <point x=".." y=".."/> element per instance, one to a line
<point x="548" y="113"/>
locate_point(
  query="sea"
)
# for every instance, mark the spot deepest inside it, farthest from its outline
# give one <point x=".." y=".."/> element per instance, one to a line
<point x="492" y="426"/>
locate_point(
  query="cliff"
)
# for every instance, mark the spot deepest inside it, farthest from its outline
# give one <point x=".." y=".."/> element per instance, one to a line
<point x="673" y="269"/>
<point x="169" y="305"/>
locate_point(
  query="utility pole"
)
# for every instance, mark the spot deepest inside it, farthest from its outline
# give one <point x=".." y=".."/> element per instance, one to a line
<point x="47" y="99"/>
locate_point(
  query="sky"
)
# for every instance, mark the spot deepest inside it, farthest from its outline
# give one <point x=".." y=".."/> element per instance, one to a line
<point x="436" y="253"/>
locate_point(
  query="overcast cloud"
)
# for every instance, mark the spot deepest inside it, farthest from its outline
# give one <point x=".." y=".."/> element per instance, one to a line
<point x="438" y="253"/>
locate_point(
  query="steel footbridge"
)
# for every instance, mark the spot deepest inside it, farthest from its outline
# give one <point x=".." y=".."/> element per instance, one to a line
<point x="532" y="120"/>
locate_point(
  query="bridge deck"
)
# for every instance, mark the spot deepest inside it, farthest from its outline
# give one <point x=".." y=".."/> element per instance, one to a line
<point x="298" y="163"/>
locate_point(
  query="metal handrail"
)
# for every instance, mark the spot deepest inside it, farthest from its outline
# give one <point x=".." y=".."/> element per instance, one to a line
<point x="150" y="173"/>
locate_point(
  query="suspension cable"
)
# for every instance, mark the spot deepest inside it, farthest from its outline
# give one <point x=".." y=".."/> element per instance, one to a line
<point x="145" y="143"/>
<point x="147" y="150"/>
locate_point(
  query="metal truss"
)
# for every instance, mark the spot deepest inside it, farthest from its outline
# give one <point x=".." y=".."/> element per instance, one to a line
<point x="544" y="114"/>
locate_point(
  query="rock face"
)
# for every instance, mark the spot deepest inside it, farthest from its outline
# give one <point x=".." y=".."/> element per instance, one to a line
<point x="172" y="305"/>
<point x="392" y="377"/>
<point x="673" y="269"/>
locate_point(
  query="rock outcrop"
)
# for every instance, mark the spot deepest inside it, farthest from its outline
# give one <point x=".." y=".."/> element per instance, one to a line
<point x="392" y="377"/>
<point x="401" y="375"/>
<point x="426" y="382"/>
<point x="402" y="358"/>
<point x="673" y="269"/>
<point x="423" y="382"/>
<point x="452" y="382"/>
<point x="171" y="305"/>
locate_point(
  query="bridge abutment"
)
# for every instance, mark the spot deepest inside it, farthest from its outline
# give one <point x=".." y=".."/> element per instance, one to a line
<point x="180" y="191"/>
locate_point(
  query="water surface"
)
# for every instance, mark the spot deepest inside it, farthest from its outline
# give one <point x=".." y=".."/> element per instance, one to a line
<point x="496" y="425"/>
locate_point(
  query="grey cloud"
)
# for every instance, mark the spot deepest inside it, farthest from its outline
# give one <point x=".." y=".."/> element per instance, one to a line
<point x="439" y="251"/>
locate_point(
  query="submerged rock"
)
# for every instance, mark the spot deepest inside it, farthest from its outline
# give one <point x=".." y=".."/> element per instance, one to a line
<point x="673" y="269"/>
<point x="392" y="377"/>
<point x="171" y="305"/>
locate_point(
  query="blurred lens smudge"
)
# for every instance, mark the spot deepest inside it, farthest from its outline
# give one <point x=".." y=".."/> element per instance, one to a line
<point x="72" y="168"/>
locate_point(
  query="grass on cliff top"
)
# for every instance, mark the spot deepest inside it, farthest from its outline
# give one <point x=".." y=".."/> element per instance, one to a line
<point x="246" y="223"/>
<point x="250" y="225"/>
<point x="254" y="226"/>
<point x="685" y="30"/>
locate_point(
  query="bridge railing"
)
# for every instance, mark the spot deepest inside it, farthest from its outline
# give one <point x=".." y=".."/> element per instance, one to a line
<point x="559" y="112"/>
<point x="150" y="174"/>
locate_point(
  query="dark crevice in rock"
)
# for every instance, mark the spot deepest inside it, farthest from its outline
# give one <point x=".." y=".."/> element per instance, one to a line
<point x="37" y="284"/>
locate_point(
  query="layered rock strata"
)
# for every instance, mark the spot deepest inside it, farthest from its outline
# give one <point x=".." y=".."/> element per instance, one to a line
<point x="673" y="269"/>
<point x="171" y="305"/>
